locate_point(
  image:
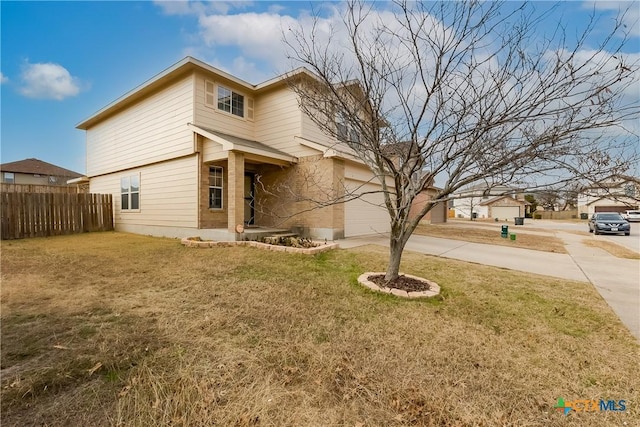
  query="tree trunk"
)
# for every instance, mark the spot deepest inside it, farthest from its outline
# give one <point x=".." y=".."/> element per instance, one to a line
<point x="396" y="247"/>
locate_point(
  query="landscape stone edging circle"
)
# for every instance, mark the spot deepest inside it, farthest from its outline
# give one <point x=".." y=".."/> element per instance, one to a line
<point x="434" y="288"/>
<point x="190" y="242"/>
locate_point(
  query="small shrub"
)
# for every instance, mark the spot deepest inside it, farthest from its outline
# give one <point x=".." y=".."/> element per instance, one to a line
<point x="294" y="242"/>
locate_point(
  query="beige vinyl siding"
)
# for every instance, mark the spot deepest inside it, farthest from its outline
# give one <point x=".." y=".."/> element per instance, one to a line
<point x="210" y="117"/>
<point x="278" y="119"/>
<point x="212" y="151"/>
<point x="154" y="129"/>
<point x="168" y="193"/>
<point x="313" y="133"/>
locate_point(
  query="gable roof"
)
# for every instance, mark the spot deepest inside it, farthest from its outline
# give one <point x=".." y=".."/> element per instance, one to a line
<point x="37" y="167"/>
<point x="180" y="68"/>
<point x="495" y="199"/>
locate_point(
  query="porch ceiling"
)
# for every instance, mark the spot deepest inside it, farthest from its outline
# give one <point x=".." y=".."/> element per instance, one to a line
<point x="230" y="142"/>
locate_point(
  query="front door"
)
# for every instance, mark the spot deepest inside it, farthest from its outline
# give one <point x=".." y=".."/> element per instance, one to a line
<point x="249" y="198"/>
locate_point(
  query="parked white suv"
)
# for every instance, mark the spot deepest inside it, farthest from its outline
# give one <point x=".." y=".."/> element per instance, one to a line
<point x="632" y="215"/>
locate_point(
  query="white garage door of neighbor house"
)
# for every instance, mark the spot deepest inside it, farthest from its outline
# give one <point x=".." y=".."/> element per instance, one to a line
<point x="366" y="215"/>
<point x="505" y="212"/>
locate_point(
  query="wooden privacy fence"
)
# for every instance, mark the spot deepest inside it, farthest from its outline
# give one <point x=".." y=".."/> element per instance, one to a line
<point x="36" y="188"/>
<point x="555" y="214"/>
<point x="50" y="214"/>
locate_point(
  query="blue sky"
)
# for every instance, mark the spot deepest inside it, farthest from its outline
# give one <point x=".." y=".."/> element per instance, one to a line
<point x="63" y="61"/>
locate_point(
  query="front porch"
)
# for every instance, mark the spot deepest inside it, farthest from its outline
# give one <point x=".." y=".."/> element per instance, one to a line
<point x="234" y="197"/>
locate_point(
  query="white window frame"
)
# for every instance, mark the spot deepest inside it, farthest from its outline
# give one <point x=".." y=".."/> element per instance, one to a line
<point x="9" y="177"/>
<point x="344" y="130"/>
<point x="216" y="185"/>
<point x="129" y="193"/>
<point x="231" y="95"/>
<point x="212" y="92"/>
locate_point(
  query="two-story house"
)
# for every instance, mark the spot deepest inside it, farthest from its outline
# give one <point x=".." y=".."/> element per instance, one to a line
<point x="616" y="194"/>
<point x="197" y="151"/>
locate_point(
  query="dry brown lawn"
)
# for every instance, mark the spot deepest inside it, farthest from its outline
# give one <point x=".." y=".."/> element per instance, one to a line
<point x="117" y="329"/>
<point x="490" y="234"/>
<point x="612" y="248"/>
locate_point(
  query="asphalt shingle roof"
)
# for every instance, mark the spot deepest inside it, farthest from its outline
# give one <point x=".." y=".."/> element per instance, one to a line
<point x="35" y="166"/>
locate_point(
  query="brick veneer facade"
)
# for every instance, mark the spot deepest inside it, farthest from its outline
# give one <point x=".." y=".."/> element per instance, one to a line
<point x="285" y="196"/>
<point x="213" y="218"/>
<point x="289" y="197"/>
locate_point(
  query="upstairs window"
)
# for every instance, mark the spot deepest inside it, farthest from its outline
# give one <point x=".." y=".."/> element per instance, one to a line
<point x="130" y="193"/>
<point x="230" y="101"/>
<point x="227" y="100"/>
<point x="8" y="177"/>
<point x="630" y="190"/>
<point x="215" y="187"/>
<point x="344" y="131"/>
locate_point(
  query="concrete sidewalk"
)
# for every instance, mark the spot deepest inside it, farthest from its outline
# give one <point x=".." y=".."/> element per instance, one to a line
<point x="617" y="280"/>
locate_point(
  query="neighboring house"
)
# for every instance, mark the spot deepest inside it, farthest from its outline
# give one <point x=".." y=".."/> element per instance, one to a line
<point x="613" y="195"/>
<point x="500" y="202"/>
<point x="35" y="172"/>
<point x="197" y="151"/>
<point x="438" y="213"/>
<point x="506" y="207"/>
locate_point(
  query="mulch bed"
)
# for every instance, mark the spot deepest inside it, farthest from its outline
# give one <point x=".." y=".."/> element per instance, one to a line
<point x="404" y="283"/>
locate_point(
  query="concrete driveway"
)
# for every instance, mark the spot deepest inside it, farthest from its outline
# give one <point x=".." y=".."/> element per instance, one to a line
<point x="616" y="279"/>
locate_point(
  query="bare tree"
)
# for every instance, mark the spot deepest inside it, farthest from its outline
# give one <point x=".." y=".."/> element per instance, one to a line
<point x="466" y="93"/>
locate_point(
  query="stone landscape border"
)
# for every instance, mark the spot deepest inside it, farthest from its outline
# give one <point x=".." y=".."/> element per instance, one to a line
<point x="195" y="242"/>
<point x="434" y="288"/>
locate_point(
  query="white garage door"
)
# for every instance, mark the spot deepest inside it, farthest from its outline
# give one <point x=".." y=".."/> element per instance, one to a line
<point x="366" y="215"/>
<point x="505" y="212"/>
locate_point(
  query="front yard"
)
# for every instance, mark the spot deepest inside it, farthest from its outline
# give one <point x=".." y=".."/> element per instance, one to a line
<point x="489" y="233"/>
<point x="119" y="329"/>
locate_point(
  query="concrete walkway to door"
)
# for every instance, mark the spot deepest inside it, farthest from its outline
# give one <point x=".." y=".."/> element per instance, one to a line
<point x="617" y="280"/>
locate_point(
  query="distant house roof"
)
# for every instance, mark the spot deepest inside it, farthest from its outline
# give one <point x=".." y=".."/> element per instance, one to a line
<point x="495" y="199"/>
<point x="37" y="167"/>
<point x="614" y="181"/>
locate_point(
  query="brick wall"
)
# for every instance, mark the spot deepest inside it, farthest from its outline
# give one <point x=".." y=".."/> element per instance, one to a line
<point x="213" y="218"/>
<point x="289" y="196"/>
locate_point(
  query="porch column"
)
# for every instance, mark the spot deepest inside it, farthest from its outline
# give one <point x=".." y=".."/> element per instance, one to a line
<point x="235" y="192"/>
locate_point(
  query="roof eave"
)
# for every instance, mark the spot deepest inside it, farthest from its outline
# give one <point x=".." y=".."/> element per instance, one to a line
<point x="180" y="67"/>
<point x="229" y="146"/>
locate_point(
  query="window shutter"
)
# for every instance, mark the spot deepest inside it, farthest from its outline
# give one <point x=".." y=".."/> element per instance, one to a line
<point x="209" y="93"/>
<point x="250" y="108"/>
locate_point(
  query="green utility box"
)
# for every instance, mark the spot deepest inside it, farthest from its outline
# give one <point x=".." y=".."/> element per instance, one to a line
<point x="513" y="236"/>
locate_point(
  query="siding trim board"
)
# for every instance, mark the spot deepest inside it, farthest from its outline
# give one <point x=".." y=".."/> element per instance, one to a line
<point x="87" y="179"/>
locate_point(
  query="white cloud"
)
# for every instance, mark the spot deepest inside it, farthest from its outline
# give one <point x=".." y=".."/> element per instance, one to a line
<point x="256" y="34"/>
<point x="48" y="81"/>
<point x="187" y="7"/>
<point x="629" y="13"/>
<point x="3" y="79"/>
